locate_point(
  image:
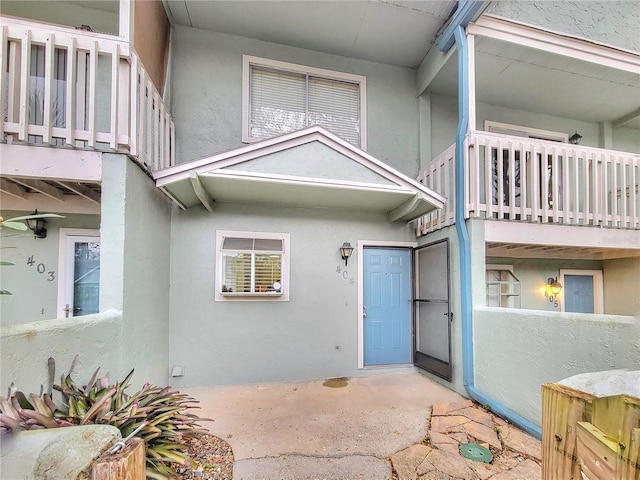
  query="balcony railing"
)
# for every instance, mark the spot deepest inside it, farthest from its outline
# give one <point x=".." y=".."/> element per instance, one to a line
<point x="523" y="179"/>
<point x="74" y="88"/>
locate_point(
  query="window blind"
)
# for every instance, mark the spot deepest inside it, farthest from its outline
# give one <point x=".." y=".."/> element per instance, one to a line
<point x="282" y="102"/>
<point x="251" y="265"/>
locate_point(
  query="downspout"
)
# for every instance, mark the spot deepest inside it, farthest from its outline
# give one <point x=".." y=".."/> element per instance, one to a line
<point x="465" y="250"/>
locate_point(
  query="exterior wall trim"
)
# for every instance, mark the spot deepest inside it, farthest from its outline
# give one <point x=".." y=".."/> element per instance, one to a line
<point x="515" y="32"/>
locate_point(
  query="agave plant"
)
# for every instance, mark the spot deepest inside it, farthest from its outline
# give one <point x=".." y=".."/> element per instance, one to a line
<point x="159" y="414"/>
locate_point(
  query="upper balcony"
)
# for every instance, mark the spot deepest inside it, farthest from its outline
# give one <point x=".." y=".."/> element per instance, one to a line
<point x="73" y="88"/>
<point x="537" y="181"/>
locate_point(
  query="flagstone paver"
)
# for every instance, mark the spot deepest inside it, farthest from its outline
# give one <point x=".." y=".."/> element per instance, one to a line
<point x="444" y="424"/>
<point x="440" y="409"/>
<point x="483" y="433"/>
<point x="519" y="441"/>
<point x="453" y="465"/>
<point x="406" y="461"/>
<point x="526" y="470"/>
<point x="517" y="456"/>
<point x="477" y="415"/>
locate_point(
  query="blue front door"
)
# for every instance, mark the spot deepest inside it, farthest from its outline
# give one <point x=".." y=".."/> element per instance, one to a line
<point x="387" y="305"/>
<point x="578" y="293"/>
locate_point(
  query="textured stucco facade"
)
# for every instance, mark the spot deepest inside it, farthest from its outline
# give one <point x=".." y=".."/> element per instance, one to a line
<point x="606" y="22"/>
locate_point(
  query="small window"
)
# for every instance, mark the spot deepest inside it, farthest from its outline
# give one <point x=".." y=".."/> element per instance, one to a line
<point x="280" y="97"/>
<point x="503" y="287"/>
<point x="252" y="266"/>
<point x="581" y="291"/>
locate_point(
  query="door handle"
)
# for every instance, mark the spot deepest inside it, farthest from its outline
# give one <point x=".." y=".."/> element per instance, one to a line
<point x="364" y="314"/>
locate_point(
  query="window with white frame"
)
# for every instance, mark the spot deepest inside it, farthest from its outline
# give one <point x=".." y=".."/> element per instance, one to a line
<point x="281" y="97"/>
<point x="252" y="265"/>
<point x="503" y="287"/>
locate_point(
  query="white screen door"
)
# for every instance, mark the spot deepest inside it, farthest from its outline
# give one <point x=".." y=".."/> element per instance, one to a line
<point x="79" y="282"/>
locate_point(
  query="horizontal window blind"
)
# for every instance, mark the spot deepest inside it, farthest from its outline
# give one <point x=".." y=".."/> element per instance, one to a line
<point x="335" y="106"/>
<point x="252" y="265"/>
<point x="282" y="102"/>
<point x="278" y="102"/>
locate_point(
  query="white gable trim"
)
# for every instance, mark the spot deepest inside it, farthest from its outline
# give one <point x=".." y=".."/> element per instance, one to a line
<point x="291" y="140"/>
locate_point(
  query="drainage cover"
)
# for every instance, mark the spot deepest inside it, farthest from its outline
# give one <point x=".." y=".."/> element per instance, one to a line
<point x="476" y="452"/>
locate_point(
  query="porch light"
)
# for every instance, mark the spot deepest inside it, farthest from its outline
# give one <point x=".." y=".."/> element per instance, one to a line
<point x="575" y="138"/>
<point x="554" y="287"/>
<point x="345" y="251"/>
<point x="36" y="225"/>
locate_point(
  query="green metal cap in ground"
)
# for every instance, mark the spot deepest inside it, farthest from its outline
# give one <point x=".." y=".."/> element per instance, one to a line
<point x="476" y="452"/>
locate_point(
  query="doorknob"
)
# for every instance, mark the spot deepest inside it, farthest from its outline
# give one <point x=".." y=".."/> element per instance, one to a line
<point x="364" y="314"/>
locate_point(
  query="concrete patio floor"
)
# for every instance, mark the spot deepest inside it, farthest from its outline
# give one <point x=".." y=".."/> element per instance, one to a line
<point x="322" y="430"/>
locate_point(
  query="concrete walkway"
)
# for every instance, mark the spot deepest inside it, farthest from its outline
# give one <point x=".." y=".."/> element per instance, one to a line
<point x="324" y="430"/>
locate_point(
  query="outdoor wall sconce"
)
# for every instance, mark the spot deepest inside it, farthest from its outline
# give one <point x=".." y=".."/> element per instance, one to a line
<point x="575" y="138"/>
<point x="36" y="225"/>
<point x="345" y="252"/>
<point x="554" y="287"/>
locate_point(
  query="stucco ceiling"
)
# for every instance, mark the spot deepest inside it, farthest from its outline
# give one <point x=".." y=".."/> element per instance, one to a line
<point x="386" y="31"/>
<point x="401" y="32"/>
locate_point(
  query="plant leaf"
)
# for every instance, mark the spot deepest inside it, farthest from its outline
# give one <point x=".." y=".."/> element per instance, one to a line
<point x="14" y="225"/>
<point x="29" y="217"/>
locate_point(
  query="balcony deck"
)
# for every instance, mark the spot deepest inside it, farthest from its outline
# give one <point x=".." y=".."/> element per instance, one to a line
<point x="82" y="92"/>
<point x="529" y="181"/>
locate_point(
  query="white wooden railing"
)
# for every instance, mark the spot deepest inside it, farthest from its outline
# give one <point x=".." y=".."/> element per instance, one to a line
<point x="529" y="180"/>
<point x="439" y="176"/>
<point x="67" y="87"/>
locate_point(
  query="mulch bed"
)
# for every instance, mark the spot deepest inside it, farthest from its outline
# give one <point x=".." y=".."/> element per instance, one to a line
<point x="212" y="459"/>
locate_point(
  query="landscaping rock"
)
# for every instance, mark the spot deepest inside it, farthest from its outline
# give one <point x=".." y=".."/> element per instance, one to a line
<point x="56" y="453"/>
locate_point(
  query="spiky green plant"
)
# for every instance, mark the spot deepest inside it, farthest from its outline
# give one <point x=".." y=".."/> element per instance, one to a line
<point x="162" y="412"/>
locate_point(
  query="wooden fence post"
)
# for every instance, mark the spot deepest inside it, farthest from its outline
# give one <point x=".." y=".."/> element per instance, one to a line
<point x="562" y="409"/>
<point x="128" y="464"/>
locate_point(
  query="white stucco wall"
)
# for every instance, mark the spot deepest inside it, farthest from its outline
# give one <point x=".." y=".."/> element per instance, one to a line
<point x="611" y="22"/>
<point x="516" y="351"/>
<point x="311" y="336"/>
<point x="34" y="294"/>
<point x="207" y="95"/>
<point x="26" y="348"/>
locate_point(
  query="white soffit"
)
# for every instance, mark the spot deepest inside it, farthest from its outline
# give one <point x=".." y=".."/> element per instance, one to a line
<point x="222" y="178"/>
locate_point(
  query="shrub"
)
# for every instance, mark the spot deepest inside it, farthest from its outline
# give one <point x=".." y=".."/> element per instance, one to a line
<point x="162" y="410"/>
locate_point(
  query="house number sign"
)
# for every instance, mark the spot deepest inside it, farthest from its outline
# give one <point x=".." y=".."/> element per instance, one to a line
<point x="41" y="269"/>
<point x="345" y="275"/>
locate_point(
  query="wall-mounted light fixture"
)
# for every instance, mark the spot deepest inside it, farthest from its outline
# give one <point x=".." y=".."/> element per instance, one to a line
<point x="345" y="252"/>
<point x="554" y="286"/>
<point x="36" y="225"/>
<point x="575" y="138"/>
